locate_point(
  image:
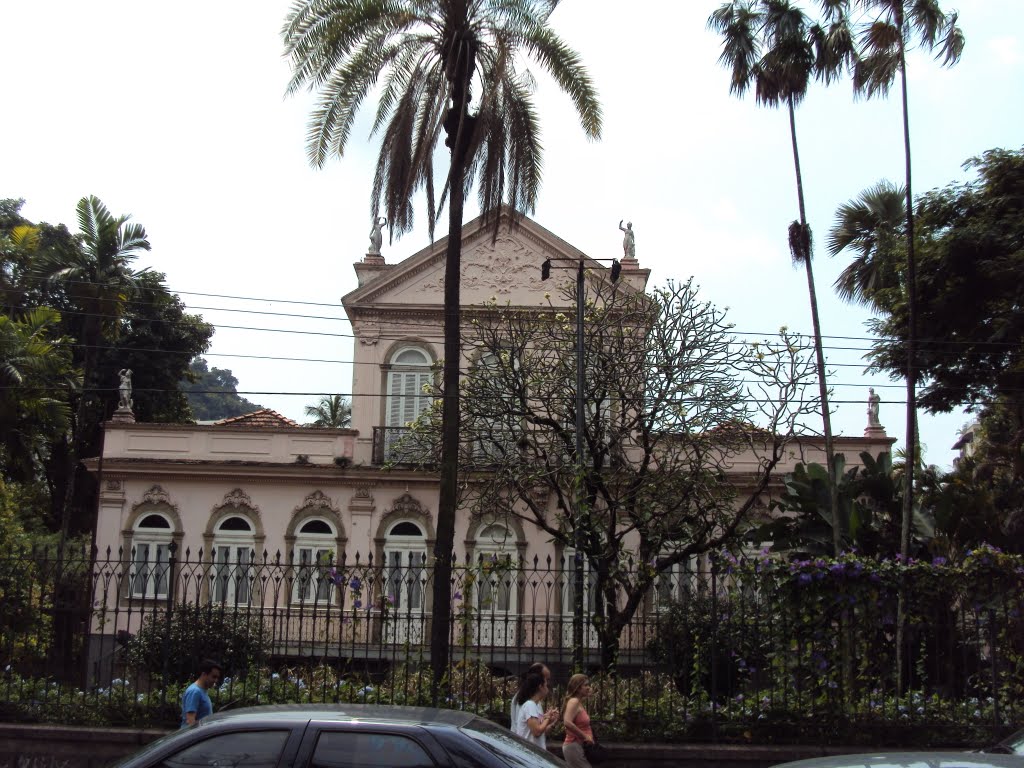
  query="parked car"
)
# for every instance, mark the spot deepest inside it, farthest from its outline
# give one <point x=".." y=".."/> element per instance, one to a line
<point x="1011" y="745"/>
<point x="342" y="736"/>
<point x="921" y="759"/>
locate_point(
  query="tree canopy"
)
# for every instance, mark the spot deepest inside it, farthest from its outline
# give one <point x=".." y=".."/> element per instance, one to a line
<point x="213" y="393"/>
<point x="74" y="305"/>
<point x="970" y="295"/>
<point x="673" y="400"/>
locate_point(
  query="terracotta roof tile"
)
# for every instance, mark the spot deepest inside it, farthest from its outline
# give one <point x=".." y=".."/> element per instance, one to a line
<point x="262" y="418"/>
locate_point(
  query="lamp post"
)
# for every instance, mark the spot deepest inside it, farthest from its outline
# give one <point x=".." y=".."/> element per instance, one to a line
<point x="578" y="581"/>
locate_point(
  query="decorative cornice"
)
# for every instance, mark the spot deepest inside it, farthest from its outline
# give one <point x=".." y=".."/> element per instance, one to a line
<point x="319" y="501"/>
<point x="237" y="499"/>
<point x="407" y="506"/>
<point x="155" y="496"/>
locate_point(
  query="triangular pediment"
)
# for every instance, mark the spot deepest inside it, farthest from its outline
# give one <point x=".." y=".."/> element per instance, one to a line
<point x="505" y="268"/>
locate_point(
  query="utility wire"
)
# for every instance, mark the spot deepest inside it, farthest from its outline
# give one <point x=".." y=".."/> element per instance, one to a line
<point x="140" y="302"/>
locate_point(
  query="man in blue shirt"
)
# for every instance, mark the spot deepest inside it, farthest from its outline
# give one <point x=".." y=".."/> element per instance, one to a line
<point x="195" y="702"/>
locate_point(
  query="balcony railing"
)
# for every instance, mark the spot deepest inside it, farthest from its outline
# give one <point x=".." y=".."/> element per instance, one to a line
<point x="401" y="445"/>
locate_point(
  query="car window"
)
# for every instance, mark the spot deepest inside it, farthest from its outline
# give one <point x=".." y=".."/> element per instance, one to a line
<point x="252" y="749"/>
<point x="354" y="749"/>
<point x="510" y="748"/>
<point x="1016" y="743"/>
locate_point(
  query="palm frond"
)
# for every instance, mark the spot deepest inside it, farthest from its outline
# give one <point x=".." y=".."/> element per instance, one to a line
<point x="737" y="22"/>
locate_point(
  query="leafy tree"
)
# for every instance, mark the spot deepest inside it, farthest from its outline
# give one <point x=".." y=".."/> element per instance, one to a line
<point x="887" y="33"/>
<point x="332" y="411"/>
<point x="870" y="504"/>
<point x="982" y="499"/>
<point x="142" y="327"/>
<point x="23" y="607"/>
<point x="97" y="278"/>
<point x="35" y="366"/>
<point x="773" y="46"/>
<point x="429" y="56"/>
<point x="969" y="294"/>
<point x="213" y="393"/>
<point x="673" y="402"/>
<point x="172" y="644"/>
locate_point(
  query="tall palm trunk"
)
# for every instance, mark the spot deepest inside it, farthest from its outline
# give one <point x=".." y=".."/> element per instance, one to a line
<point x="459" y="128"/>
<point x="826" y="416"/>
<point x="911" y="445"/>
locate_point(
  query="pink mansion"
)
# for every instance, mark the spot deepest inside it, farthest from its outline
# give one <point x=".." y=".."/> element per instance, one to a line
<point x="260" y="488"/>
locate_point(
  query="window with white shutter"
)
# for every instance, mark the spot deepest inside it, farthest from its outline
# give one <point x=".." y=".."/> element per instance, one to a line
<point x="410" y="373"/>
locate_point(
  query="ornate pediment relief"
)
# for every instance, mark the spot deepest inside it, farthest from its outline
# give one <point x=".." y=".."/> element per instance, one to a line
<point x="155" y="496"/>
<point x="317" y="501"/>
<point x="507" y="267"/>
<point x="238" y="499"/>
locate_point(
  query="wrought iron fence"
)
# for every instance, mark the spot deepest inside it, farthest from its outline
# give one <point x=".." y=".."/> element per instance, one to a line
<point x="717" y="648"/>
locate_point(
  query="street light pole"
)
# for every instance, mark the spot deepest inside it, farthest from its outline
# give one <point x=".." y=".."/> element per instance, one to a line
<point x="580" y="517"/>
<point x="577" y="617"/>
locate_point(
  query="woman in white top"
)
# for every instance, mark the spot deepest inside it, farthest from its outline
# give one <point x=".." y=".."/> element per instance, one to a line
<point x="535" y="669"/>
<point x="532" y="723"/>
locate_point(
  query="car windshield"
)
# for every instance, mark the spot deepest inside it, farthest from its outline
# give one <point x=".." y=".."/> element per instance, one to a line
<point x="509" y="747"/>
<point x="153" y="746"/>
<point x="1011" y="745"/>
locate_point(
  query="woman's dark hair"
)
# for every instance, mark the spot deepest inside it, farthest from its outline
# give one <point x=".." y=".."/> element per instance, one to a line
<point x="529" y="688"/>
<point x="535" y="669"/>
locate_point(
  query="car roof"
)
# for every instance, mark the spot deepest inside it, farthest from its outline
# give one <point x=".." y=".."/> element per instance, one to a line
<point x="367" y="713"/>
<point x="923" y="759"/>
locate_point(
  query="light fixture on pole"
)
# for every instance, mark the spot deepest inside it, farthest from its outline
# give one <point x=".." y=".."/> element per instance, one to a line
<point x="578" y="581"/>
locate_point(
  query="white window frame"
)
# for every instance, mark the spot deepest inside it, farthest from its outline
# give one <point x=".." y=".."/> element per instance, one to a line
<point x="233" y="554"/>
<point x="488" y="548"/>
<point x="313" y="556"/>
<point x="150" y="574"/>
<point x="682" y="580"/>
<point x="403" y="585"/>
<point x="406" y="399"/>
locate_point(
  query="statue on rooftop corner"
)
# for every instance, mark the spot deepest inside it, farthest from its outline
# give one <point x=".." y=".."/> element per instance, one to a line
<point x="124" y="389"/>
<point x="873" y="404"/>
<point x="377" y="236"/>
<point x="628" y="240"/>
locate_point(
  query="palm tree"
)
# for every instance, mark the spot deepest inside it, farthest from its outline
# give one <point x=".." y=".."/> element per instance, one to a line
<point x="774" y="47"/>
<point x="98" y="280"/>
<point x="885" y="39"/>
<point x="426" y="57"/>
<point x="332" y="411"/>
<point x="873" y="227"/>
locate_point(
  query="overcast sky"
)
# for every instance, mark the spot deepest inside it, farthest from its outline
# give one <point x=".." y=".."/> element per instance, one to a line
<point x="174" y="113"/>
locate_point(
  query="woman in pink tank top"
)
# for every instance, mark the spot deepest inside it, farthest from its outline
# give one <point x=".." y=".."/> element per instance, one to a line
<point x="577" y="722"/>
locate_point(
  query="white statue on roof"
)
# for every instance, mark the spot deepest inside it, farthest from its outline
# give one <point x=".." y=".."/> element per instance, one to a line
<point x="124" y="389"/>
<point x="628" y="240"/>
<point x="377" y="236"/>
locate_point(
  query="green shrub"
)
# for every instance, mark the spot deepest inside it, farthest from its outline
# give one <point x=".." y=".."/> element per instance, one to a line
<point x="238" y="640"/>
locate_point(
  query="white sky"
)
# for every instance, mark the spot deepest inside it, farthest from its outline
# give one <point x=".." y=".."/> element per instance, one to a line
<point x="175" y="114"/>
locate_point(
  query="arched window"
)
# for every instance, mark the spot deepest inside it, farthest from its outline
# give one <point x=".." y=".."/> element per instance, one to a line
<point x="409" y="374"/>
<point x="495" y="553"/>
<point x="234" y="546"/>
<point x="314" y="556"/>
<point x="405" y="558"/>
<point x="494" y="422"/>
<point x="151" y="542"/>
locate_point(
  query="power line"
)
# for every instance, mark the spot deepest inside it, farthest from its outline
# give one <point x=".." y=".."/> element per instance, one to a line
<point x="776" y="334"/>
